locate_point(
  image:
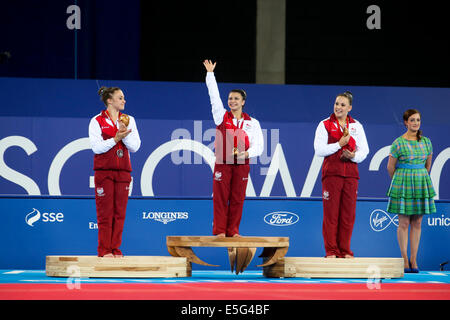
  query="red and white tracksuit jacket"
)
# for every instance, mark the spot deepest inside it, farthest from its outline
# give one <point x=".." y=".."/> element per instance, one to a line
<point x="112" y="177"/>
<point x="339" y="181"/>
<point x="231" y="175"/>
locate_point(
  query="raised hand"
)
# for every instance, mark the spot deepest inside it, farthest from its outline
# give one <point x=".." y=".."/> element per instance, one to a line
<point x="209" y="65"/>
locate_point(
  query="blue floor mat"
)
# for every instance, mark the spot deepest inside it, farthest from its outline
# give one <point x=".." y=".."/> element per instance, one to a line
<point x="38" y="276"/>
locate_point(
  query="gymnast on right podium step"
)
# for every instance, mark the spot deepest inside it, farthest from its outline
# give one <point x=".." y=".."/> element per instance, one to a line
<point x="342" y="141"/>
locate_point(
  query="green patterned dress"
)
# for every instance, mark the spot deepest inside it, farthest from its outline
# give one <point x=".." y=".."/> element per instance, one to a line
<point x="411" y="191"/>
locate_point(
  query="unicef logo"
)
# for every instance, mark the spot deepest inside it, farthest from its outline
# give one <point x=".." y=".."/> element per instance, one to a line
<point x="380" y="220"/>
<point x="281" y="218"/>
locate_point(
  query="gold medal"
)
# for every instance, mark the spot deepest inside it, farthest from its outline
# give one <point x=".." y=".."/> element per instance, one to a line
<point x="125" y="119"/>
<point x="345" y="132"/>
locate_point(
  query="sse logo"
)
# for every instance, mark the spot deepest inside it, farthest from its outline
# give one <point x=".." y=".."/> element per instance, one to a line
<point x="35" y="216"/>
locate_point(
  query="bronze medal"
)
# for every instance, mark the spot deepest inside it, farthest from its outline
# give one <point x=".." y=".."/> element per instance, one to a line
<point x="125" y="119"/>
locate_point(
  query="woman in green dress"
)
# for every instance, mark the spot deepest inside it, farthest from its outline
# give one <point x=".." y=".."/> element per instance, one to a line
<point x="411" y="191"/>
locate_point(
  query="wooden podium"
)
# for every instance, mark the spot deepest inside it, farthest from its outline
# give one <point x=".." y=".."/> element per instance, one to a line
<point x="126" y="267"/>
<point x="241" y="250"/>
<point x="314" y="267"/>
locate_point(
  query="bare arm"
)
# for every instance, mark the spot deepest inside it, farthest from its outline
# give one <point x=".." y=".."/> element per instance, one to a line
<point x="391" y="165"/>
<point x="428" y="162"/>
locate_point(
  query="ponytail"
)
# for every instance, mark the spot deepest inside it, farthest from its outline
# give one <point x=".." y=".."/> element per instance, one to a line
<point x="419" y="135"/>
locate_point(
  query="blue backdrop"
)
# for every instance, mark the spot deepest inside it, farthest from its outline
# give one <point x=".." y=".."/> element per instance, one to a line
<point x="44" y="150"/>
<point x="44" y="128"/>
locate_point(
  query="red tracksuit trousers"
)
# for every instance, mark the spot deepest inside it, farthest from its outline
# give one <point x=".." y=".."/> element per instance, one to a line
<point x="229" y="187"/>
<point x="111" y="198"/>
<point x="339" y="208"/>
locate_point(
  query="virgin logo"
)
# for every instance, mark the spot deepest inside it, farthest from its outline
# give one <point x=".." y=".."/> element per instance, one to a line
<point x="380" y="220"/>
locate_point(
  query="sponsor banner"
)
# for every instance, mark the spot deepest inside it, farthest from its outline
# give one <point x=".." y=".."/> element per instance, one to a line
<point x="33" y="227"/>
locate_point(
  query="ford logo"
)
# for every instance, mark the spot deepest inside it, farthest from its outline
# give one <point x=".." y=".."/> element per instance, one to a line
<point x="281" y="218"/>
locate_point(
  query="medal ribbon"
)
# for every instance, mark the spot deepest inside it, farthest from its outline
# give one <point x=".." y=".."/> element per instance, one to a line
<point x="119" y="151"/>
<point x="351" y="143"/>
<point x="339" y="126"/>
<point x="235" y="128"/>
<point x="107" y="114"/>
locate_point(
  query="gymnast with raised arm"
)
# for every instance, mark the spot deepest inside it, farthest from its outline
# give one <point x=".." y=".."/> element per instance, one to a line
<point x="238" y="138"/>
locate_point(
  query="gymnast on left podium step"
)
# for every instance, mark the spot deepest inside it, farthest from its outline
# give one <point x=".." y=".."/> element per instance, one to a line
<point x="112" y="135"/>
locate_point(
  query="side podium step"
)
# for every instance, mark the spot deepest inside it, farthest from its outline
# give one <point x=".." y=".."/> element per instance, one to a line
<point x="314" y="267"/>
<point x="126" y="267"/>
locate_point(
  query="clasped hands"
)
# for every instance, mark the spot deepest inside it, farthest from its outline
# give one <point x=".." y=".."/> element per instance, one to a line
<point x="346" y="154"/>
<point x="122" y="132"/>
<point x="242" y="155"/>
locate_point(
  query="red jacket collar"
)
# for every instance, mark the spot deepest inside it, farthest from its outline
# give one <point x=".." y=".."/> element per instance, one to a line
<point x="350" y="119"/>
<point x="244" y="115"/>
<point x="105" y="114"/>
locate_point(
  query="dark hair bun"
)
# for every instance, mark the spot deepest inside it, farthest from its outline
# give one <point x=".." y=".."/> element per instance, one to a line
<point x="101" y="91"/>
<point x="348" y="95"/>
